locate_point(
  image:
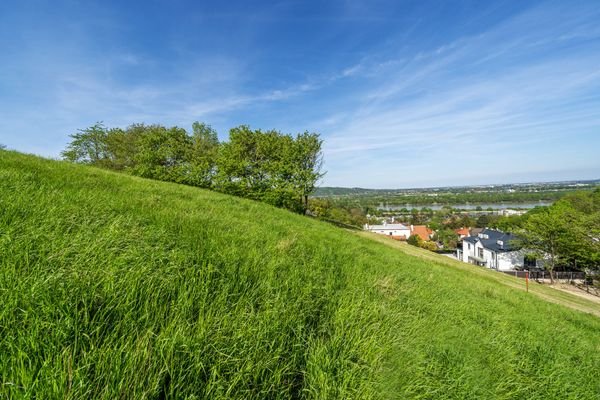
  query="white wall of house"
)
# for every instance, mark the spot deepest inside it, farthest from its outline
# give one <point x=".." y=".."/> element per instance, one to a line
<point x="462" y="253"/>
<point x="389" y="230"/>
<point x="393" y="232"/>
<point x="490" y="258"/>
<point x="472" y="251"/>
<point x="509" y="260"/>
<point x="469" y="250"/>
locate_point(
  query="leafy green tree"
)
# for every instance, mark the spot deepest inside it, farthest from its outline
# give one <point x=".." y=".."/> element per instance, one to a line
<point x="307" y="160"/>
<point x="164" y="154"/>
<point x="416" y="218"/>
<point x="242" y="163"/>
<point x="89" y="146"/>
<point x="482" y="221"/>
<point x="436" y="223"/>
<point x="204" y="153"/>
<point x="590" y="232"/>
<point x="431" y="246"/>
<point x="122" y="147"/>
<point x="509" y="223"/>
<point x="269" y="166"/>
<point x="465" y="221"/>
<point x="585" y="228"/>
<point x="319" y="207"/>
<point x="448" y="238"/>
<point x="566" y="233"/>
<point x="549" y="233"/>
<point x="415" y="240"/>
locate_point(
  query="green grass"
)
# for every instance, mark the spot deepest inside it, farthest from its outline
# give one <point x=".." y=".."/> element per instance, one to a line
<point x="118" y="287"/>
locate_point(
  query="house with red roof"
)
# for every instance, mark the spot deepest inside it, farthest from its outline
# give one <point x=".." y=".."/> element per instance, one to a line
<point x="422" y="231"/>
<point x="462" y="232"/>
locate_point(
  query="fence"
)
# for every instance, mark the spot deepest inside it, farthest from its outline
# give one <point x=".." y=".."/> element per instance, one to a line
<point x="541" y="275"/>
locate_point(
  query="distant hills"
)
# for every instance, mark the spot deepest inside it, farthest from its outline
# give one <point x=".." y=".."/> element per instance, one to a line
<point x="344" y="191"/>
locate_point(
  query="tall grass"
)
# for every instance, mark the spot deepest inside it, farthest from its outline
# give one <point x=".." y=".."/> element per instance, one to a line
<point x="117" y="287"/>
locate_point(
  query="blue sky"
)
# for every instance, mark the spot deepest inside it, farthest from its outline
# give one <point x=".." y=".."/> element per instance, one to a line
<point x="404" y="93"/>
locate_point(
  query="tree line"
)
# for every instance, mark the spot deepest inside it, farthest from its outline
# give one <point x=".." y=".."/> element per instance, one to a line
<point x="566" y="234"/>
<point x="374" y="200"/>
<point x="269" y="166"/>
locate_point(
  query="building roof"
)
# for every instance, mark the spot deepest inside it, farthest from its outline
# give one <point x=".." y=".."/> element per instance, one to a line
<point x="390" y="227"/>
<point x="462" y="231"/>
<point x="475" y="231"/>
<point x="494" y="240"/>
<point x="422" y="231"/>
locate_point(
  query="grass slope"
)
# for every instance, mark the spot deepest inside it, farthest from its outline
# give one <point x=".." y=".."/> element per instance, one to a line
<point x="118" y="287"/>
<point x="571" y="300"/>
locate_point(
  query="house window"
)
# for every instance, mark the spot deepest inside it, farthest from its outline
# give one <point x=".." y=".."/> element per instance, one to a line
<point x="469" y="246"/>
<point x="480" y="252"/>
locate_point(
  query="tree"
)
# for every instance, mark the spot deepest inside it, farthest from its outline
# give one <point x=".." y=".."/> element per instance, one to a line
<point x="549" y="233"/>
<point x="164" y="154"/>
<point x="88" y="146"/>
<point x="566" y="233"/>
<point x="263" y="165"/>
<point x="585" y="228"/>
<point x="308" y="161"/>
<point x="241" y="163"/>
<point x="509" y="223"/>
<point x="431" y="246"/>
<point x="269" y="166"/>
<point x="416" y="217"/>
<point x="204" y="152"/>
<point x="448" y="238"/>
<point x="465" y="221"/>
<point x="482" y="221"/>
<point x="122" y="147"/>
<point x="590" y="232"/>
<point x="415" y="240"/>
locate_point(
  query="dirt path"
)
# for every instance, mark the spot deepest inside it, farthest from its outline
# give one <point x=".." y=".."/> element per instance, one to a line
<point x="577" y="291"/>
<point x="567" y="296"/>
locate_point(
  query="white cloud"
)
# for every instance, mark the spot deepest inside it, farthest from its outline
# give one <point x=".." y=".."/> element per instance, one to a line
<point x="508" y="100"/>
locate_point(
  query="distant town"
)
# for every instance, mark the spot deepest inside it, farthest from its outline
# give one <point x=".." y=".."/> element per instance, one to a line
<point x="500" y="227"/>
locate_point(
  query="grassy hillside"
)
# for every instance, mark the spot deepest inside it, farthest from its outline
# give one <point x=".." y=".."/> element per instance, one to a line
<point x="118" y="287"/>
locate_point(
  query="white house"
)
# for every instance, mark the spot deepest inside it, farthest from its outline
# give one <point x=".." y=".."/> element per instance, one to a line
<point x="492" y="249"/>
<point x="396" y="231"/>
<point x="508" y="212"/>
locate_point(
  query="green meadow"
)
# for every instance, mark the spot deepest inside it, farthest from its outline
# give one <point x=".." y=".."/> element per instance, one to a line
<point x="117" y="287"/>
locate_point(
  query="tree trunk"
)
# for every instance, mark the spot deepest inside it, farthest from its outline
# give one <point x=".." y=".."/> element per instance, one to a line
<point x="552" y="262"/>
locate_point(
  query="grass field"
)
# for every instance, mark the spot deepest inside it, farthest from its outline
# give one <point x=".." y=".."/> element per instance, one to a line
<point x="118" y="287"/>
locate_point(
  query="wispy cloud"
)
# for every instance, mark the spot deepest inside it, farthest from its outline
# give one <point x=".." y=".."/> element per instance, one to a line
<point x="477" y="100"/>
<point x="402" y="94"/>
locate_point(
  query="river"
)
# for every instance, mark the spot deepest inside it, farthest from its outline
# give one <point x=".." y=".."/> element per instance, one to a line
<point x="467" y="206"/>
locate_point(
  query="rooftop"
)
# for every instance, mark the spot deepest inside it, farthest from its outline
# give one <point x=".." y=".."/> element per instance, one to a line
<point x="494" y="240"/>
<point x="387" y="227"/>
<point x="422" y="231"/>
